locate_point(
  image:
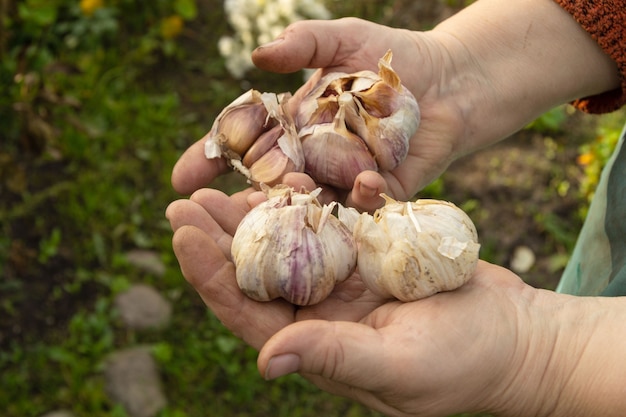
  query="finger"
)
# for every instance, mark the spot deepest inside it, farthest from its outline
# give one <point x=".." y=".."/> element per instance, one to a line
<point x="299" y="180"/>
<point x="318" y="44"/>
<point x="255" y="198"/>
<point x="206" y="268"/>
<point x="336" y="350"/>
<point x="226" y="210"/>
<point x="193" y="170"/>
<point x="365" y="195"/>
<point x="182" y="213"/>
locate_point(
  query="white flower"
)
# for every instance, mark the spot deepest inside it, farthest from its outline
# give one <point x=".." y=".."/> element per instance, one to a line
<point x="256" y="22"/>
<point x="226" y="45"/>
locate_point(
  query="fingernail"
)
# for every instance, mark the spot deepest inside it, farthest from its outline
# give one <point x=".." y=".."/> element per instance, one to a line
<point x="280" y="365"/>
<point x="367" y="192"/>
<point x="272" y="43"/>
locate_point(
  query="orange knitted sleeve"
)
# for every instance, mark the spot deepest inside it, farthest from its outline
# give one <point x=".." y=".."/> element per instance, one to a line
<point x="605" y="21"/>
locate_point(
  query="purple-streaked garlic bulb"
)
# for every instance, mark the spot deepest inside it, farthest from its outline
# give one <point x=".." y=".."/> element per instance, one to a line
<point x="292" y="247"/>
<point x="349" y="123"/>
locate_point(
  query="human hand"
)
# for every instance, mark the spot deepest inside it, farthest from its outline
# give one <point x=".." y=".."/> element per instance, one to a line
<point x="484" y="346"/>
<point x="350" y="45"/>
<point x="478" y="77"/>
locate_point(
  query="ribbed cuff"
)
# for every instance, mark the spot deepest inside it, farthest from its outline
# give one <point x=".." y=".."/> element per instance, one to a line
<point x="605" y="21"/>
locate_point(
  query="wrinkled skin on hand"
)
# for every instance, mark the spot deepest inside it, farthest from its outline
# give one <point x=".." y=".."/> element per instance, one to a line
<point x="460" y="351"/>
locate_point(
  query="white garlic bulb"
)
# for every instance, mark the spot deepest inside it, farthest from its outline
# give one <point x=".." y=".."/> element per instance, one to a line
<point x="257" y="138"/>
<point x="411" y="250"/>
<point x="291" y="246"/>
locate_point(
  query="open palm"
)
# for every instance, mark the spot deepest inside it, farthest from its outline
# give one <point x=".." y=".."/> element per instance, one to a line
<point x="354" y="343"/>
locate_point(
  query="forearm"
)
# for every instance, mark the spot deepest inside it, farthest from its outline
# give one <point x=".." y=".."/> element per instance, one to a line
<point x="576" y="367"/>
<point x="514" y="60"/>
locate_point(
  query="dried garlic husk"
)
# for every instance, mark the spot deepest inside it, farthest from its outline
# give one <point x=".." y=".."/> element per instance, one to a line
<point x="291" y="246"/>
<point x="376" y="108"/>
<point x="257" y="138"/>
<point x="411" y="250"/>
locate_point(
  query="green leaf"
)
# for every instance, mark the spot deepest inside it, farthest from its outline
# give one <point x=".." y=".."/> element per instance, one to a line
<point x="186" y="9"/>
<point x="41" y="13"/>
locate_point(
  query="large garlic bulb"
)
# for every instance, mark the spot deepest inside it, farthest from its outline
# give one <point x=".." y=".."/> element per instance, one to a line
<point x="411" y="250"/>
<point x="257" y="138"/>
<point x="291" y="246"/>
<point x="352" y="122"/>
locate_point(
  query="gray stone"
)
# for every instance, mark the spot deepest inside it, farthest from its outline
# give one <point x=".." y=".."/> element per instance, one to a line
<point x="142" y="307"/>
<point x="132" y="380"/>
<point x="146" y="260"/>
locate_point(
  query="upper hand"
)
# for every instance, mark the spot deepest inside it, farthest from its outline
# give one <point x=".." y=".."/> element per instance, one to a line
<point x="351" y="45"/>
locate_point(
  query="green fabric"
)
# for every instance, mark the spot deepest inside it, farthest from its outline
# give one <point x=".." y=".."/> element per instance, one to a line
<point x="598" y="263"/>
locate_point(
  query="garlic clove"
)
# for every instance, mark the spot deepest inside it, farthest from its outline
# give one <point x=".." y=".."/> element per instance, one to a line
<point x="270" y="168"/>
<point x="340" y="167"/>
<point x="238" y="125"/>
<point x="242" y="125"/>
<point x="334" y="155"/>
<point x="413" y="250"/>
<point x="252" y="125"/>
<point x="273" y="155"/>
<point x="292" y="247"/>
<point x="262" y="145"/>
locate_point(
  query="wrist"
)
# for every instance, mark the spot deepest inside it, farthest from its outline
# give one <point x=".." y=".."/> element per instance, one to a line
<point x="570" y="360"/>
<point x="512" y="60"/>
<point x="592" y="379"/>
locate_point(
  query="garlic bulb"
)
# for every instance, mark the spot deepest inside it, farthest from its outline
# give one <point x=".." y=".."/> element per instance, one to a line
<point x="291" y="246"/>
<point x="374" y="109"/>
<point x="415" y="249"/>
<point x="346" y="124"/>
<point x="257" y="138"/>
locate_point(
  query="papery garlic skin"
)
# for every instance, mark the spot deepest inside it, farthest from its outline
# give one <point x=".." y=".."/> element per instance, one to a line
<point x="257" y="138"/>
<point x="292" y="247"/>
<point x="415" y="249"/>
<point x="376" y="108"/>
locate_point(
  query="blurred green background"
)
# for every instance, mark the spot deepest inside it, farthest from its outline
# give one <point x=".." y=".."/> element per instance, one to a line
<point x="99" y="98"/>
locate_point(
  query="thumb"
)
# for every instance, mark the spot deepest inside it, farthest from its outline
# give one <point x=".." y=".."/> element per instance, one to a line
<point x="302" y="45"/>
<point x="327" y="44"/>
<point x="343" y="352"/>
<point x="365" y="194"/>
